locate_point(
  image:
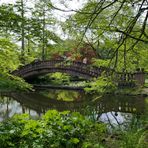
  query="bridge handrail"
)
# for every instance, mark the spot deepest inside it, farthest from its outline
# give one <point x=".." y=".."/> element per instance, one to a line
<point x="74" y="66"/>
<point x="61" y="62"/>
<point x="78" y="69"/>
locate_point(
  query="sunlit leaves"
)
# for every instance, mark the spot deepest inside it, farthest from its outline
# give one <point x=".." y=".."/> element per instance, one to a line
<point x="101" y="85"/>
<point x="55" y="129"/>
<point x="8" y="54"/>
<point x="9" y="61"/>
<point x="123" y="22"/>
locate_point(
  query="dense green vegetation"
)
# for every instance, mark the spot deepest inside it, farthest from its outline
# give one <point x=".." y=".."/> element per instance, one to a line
<point x="53" y="130"/>
<point x="67" y="130"/>
<point x="108" y="33"/>
<point x="9" y="57"/>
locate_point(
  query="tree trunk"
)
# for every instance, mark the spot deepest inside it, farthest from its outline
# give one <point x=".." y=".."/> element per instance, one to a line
<point x="125" y="55"/>
<point x="43" y="37"/>
<point x="22" y="33"/>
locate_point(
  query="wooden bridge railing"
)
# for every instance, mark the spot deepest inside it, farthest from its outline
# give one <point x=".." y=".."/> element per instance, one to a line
<point x="55" y="65"/>
<point x="131" y="79"/>
<point x="79" y="69"/>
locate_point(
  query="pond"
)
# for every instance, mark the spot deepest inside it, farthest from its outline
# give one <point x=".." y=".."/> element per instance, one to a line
<point x="113" y="110"/>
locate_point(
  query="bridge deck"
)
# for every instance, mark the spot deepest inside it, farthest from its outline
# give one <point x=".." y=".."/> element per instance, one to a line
<point x="43" y="67"/>
<point x="79" y="69"/>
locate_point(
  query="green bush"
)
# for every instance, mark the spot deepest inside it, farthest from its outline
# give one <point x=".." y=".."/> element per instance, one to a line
<point x="55" y="129"/>
<point x="12" y="83"/>
<point x="60" y="78"/>
<point x="134" y="139"/>
<point x="101" y="85"/>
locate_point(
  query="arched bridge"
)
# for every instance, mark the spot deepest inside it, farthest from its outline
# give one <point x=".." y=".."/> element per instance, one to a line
<point x="35" y="69"/>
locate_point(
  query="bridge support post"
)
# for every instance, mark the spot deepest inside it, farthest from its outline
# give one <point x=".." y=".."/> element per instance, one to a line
<point x="139" y="77"/>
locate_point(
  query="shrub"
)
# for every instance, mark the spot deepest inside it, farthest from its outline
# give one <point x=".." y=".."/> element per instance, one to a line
<point x="55" y="129"/>
<point x="101" y="85"/>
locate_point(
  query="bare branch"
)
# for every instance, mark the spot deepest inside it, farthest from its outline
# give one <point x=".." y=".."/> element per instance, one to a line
<point x="91" y="20"/>
<point x="133" y="37"/>
<point x="70" y="10"/>
<point x="116" y="13"/>
<point x="142" y="31"/>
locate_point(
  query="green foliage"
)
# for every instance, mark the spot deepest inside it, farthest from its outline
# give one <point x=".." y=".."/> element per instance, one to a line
<point x="134" y="139"/>
<point x="66" y="130"/>
<point x="60" y="78"/>
<point x="113" y="31"/>
<point x="66" y="96"/>
<point x="55" y="129"/>
<point x="101" y="85"/>
<point x="12" y="83"/>
<point x="9" y="57"/>
<point x="101" y="62"/>
<point x="61" y="47"/>
<point x="113" y="28"/>
<point x="62" y="95"/>
<point x="9" y="60"/>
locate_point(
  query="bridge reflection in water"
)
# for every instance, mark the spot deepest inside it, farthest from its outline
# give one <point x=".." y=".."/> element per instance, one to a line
<point x="36" y="104"/>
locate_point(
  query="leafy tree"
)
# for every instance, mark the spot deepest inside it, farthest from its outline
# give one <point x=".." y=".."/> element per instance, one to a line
<point x="42" y="14"/>
<point x="8" y="54"/>
<point x="9" y="23"/>
<point x="9" y="61"/>
<point x="115" y="27"/>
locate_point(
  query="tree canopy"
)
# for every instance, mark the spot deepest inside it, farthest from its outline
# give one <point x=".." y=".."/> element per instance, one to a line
<point x="116" y="30"/>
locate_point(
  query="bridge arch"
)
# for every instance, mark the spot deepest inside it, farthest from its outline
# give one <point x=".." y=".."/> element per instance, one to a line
<point x="38" y="68"/>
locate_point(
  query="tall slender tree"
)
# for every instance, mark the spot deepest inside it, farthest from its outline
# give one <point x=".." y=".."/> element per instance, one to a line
<point x="43" y="15"/>
<point x="21" y="9"/>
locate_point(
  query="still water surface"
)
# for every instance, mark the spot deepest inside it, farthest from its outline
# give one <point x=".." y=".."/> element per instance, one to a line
<point x="113" y="110"/>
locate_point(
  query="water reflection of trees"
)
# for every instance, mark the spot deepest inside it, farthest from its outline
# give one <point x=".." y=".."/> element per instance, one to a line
<point x="112" y="107"/>
<point x="64" y="95"/>
<point x="4" y="107"/>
